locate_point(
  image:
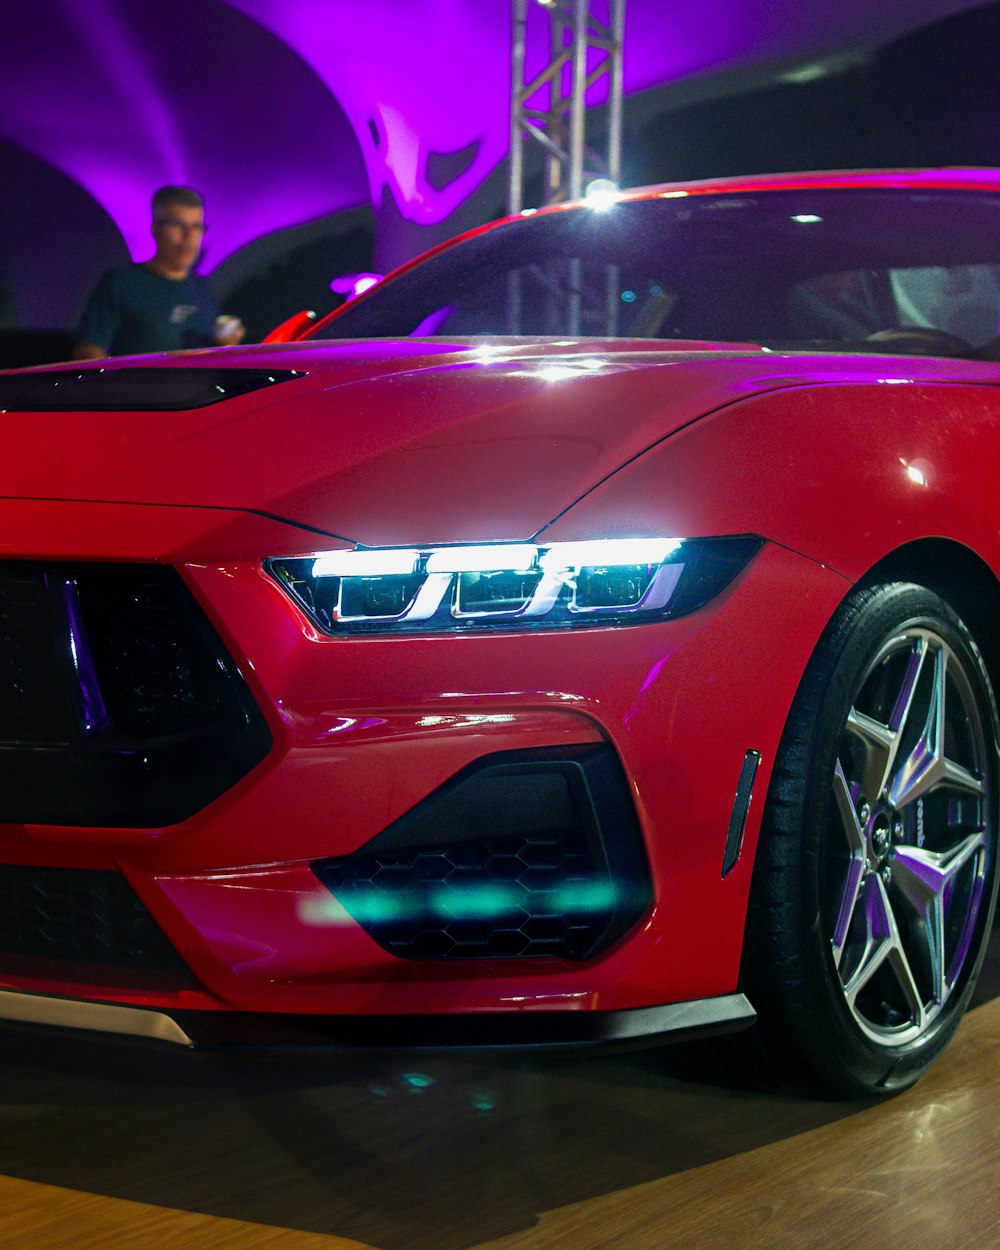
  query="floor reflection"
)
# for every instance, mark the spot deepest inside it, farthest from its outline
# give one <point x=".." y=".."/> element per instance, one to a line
<point x="430" y="1152"/>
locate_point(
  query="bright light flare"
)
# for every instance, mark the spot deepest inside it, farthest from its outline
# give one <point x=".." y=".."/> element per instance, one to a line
<point x="602" y="194"/>
<point x="608" y="552"/>
<point x="914" y="472"/>
<point x="354" y="284"/>
<point x="381" y="563"/>
<point x="513" y="558"/>
<point x="561" y="371"/>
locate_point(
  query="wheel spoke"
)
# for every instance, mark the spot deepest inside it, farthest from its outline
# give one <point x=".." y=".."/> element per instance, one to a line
<point x="881" y="741"/>
<point x="926" y="768"/>
<point x="924" y="878"/>
<point x="879" y="747"/>
<point x="855" y="838"/>
<point x="883" y="945"/>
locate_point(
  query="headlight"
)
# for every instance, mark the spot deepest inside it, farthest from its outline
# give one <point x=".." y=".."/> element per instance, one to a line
<point x="510" y="585"/>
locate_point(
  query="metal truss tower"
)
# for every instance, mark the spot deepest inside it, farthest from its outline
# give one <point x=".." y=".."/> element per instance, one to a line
<point x="551" y="109"/>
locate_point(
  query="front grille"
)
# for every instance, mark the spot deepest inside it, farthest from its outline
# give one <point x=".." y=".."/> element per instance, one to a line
<point x="522" y="854"/>
<point x="118" y="704"/>
<point x="79" y="914"/>
<point x="159" y="679"/>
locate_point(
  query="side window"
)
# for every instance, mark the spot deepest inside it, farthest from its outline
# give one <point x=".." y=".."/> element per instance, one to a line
<point x="961" y="299"/>
<point x="846" y="306"/>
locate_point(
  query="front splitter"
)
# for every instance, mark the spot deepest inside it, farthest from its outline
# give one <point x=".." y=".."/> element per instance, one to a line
<point x="487" y="1030"/>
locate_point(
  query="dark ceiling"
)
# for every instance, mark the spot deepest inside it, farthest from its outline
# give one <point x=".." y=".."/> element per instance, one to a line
<point x="290" y="113"/>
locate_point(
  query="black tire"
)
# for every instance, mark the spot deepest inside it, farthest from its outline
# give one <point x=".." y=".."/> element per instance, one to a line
<point x="879" y="835"/>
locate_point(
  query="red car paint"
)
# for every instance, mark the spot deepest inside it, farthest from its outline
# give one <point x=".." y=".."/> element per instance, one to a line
<point x="836" y="461"/>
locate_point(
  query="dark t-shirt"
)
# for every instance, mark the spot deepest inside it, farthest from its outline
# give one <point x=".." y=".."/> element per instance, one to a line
<point x="134" y="309"/>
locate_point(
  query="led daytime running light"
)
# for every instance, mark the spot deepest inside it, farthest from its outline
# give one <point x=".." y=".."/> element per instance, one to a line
<point x="504" y="558"/>
<point x="497" y="582"/>
<point x="383" y="562"/>
<point x="496" y="585"/>
<point x="608" y="552"/>
<point x="496" y="558"/>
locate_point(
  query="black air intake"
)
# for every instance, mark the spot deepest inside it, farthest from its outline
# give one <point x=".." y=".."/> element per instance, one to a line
<point x="79" y="914"/>
<point x="523" y="854"/>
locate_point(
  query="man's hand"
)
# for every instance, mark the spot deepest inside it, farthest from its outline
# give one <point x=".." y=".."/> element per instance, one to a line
<point x="229" y="331"/>
<point x="89" y="351"/>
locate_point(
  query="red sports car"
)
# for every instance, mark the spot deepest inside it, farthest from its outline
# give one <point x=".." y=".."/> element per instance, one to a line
<point x="588" y="633"/>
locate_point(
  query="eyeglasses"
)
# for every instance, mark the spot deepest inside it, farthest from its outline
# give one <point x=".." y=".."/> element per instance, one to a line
<point x="195" y="227"/>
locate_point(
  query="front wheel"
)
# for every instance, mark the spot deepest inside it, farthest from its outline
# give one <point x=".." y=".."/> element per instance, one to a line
<point x="877" y="868"/>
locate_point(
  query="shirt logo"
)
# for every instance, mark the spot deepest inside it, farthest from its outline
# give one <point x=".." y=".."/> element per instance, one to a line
<point x="182" y="313"/>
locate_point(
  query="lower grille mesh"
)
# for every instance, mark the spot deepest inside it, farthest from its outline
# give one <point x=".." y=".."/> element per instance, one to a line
<point x="524" y="854"/>
<point x="79" y="914"/>
<point x="507" y="896"/>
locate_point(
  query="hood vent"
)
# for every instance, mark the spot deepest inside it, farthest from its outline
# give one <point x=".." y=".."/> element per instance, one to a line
<point x="132" y="390"/>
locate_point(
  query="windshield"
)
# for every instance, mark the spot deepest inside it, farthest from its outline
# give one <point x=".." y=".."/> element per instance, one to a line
<point x="814" y="269"/>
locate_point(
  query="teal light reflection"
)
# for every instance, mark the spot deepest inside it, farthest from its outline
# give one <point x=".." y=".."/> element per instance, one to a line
<point x="445" y="903"/>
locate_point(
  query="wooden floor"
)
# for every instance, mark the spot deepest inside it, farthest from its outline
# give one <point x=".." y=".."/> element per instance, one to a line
<point x="116" y="1147"/>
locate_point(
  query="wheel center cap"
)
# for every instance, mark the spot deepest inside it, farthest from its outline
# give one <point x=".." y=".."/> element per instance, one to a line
<point x="879" y="838"/>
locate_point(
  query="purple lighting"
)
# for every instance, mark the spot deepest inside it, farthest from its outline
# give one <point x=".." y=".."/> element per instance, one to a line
<point x="352" y="285"/>
<point x="283" y="112"/>
<point x="98" y="92"/>
<point x="421" y="79"/>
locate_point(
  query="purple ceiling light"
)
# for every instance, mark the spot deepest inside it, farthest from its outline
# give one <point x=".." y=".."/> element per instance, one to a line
<point x="673" y="40"/>
<point x="283" y="112"/>
<point x="104" y="93"/>
<point x="422" y="81"/>
<point x="417" y="81"/>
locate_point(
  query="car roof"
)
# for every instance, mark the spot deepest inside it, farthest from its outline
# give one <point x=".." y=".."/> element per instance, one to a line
<point x="951" y="178"/>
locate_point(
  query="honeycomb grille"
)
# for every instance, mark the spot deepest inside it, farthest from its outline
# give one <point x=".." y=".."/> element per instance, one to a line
<point x="33" y="702"/>
<point x="79" y="914"/>
<point x="508" y="896"/>
<point x="523" y="854"/>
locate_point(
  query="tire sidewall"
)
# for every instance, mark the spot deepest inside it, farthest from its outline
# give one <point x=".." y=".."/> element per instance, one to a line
<point x="839" y="1049"/>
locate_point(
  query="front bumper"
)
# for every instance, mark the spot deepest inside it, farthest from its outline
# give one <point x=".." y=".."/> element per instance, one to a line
<point x="367" y="730"/>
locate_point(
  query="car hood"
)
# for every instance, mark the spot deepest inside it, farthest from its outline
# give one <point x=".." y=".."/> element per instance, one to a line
<point x="410" y="442"/>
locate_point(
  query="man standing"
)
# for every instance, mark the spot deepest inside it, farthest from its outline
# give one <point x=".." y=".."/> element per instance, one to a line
<point x="159" y="305"/>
